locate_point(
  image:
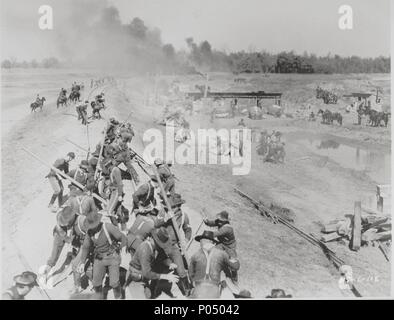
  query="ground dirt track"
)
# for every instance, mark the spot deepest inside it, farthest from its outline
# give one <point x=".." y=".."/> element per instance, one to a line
<point x="271" y="256"/>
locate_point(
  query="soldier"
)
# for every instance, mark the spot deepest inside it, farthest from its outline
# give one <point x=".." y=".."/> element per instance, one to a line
<point x="144" y="198"/>
<point x="173" y="249"/>
<point x="117" y="192"/>
<point x="106" y="241"/>
<point x="84" y="113"/>
<point x="224" y="233"/>
<point x="69" y="229"/>
<point x="166" y="176"/>
<point x="146" y="258"/>
<point x="111" y="129"/>
<point x="206" y="265"/>
<point x="225" y="236"/>
<point x="55" y="181"/>
<point x="80" y="175"/>
<point x="23" y="284"/>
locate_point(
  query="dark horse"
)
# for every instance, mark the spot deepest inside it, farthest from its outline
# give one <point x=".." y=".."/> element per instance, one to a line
<point x="61" y="101"/>
<point x="336" y="116"/>
<point x="36" y="105"/>
<point x="326" y="116"/>
<point x="376" y="117"/>
<point x="74" y="96"/>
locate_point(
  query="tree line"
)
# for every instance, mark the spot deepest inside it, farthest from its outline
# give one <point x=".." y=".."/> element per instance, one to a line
<point x="50" y="62"/>
<point x="140" y="48"/>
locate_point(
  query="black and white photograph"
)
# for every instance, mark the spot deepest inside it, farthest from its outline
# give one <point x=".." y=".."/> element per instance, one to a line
<point x="229" y="150"/>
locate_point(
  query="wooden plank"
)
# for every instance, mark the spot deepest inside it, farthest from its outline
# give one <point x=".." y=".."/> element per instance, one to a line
<point x="370" y="210"/>
<point x="330" y="237"/>
<point x="377" y="236"/>
<point x="328" y="228"/>
<point x="356" y="232"/>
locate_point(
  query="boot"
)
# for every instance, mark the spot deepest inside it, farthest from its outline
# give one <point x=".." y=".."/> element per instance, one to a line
<point x="60" y="198"/>
<point x="184" y="286"/>
<point x="117" y="292"/>
<point x="98" y="293"/>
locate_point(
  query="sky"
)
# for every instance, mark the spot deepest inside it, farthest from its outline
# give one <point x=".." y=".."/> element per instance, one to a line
<point x="231" y="25"/>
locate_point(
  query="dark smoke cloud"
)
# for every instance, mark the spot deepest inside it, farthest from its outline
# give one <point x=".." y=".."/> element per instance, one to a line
<point x="92" y="34"/>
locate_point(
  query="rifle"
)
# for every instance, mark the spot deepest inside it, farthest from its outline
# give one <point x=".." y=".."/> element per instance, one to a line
<point x="174" y="224"/>
<point x="101" y="151"/>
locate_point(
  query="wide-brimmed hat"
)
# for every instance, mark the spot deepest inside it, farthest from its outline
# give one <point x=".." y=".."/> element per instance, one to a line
<point x="158" y="162"/>
<point x="92" y="221"/>
<point x="206" y="235"/>
<point x="278" y="293"/>
<point x="223" y="216"/>
<point x="27" y="278"/>
<point x="84" y="164"/>
<point x="175" y="201"/>
<point x="161" y="237"/>
<point x="153" y="177"/>
<point x="65" y="216"/>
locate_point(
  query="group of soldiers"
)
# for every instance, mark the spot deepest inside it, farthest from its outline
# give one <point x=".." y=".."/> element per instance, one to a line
<point x="270" y="146"/>
<point x="97" y="105"/>
<point x="94" y="222"/>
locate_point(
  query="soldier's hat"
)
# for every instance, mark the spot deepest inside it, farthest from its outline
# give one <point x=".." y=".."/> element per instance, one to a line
<point x="84" y="164"/>
<point x="71" y="155"/>
<point x="153" y="177"/>
<point x="158" y="162"/>
<point x="206" y="235"/>
<point x="92" y="221"/>
<point x="223" y="216"/>
<point x="26" y="278"/>
<point x="93" y="161"/>
<point x="65" y="216"/>
<point x="175" y="201"/>
<point x="278" y="293"/>
<point x="161" y="237"/>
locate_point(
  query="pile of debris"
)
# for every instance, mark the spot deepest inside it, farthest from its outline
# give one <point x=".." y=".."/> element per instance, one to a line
<point x="371" y="229"/>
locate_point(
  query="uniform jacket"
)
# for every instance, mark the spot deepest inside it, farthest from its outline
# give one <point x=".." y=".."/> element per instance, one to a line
<point x="144" y="194"/>
<point x="182" y="221"/>
<point x="219" y="261"/>
<point x="78" y="175"/>
<point x="60" y="164"/>
<point x="146" y="257"/>
<point x="82" y="204"/>
<point x="12" y="294"/>
<point x="116" y="180"/>
<point x="225" y="234"/>
<point x="74" y="232"/>
<point x="100" y="243"/>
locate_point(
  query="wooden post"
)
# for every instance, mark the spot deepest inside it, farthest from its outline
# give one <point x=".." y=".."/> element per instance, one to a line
<point x="356" y="232"/>
<point x="206" y="86"/>
<point x="180" y="239"/>
<point x="379" y="199"/>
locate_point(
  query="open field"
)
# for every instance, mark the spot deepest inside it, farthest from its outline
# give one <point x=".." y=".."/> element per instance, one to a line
<point x="318" y="189"/>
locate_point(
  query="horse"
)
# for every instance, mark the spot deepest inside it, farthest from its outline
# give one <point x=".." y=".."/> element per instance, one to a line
<point x="36" y="105"/>
<point x="336" y="116"/>
<point x="61" y="100"/>
<point x="276" y="152"/>
<point x="74" y="96"/>
<point x="326" y="116"/>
